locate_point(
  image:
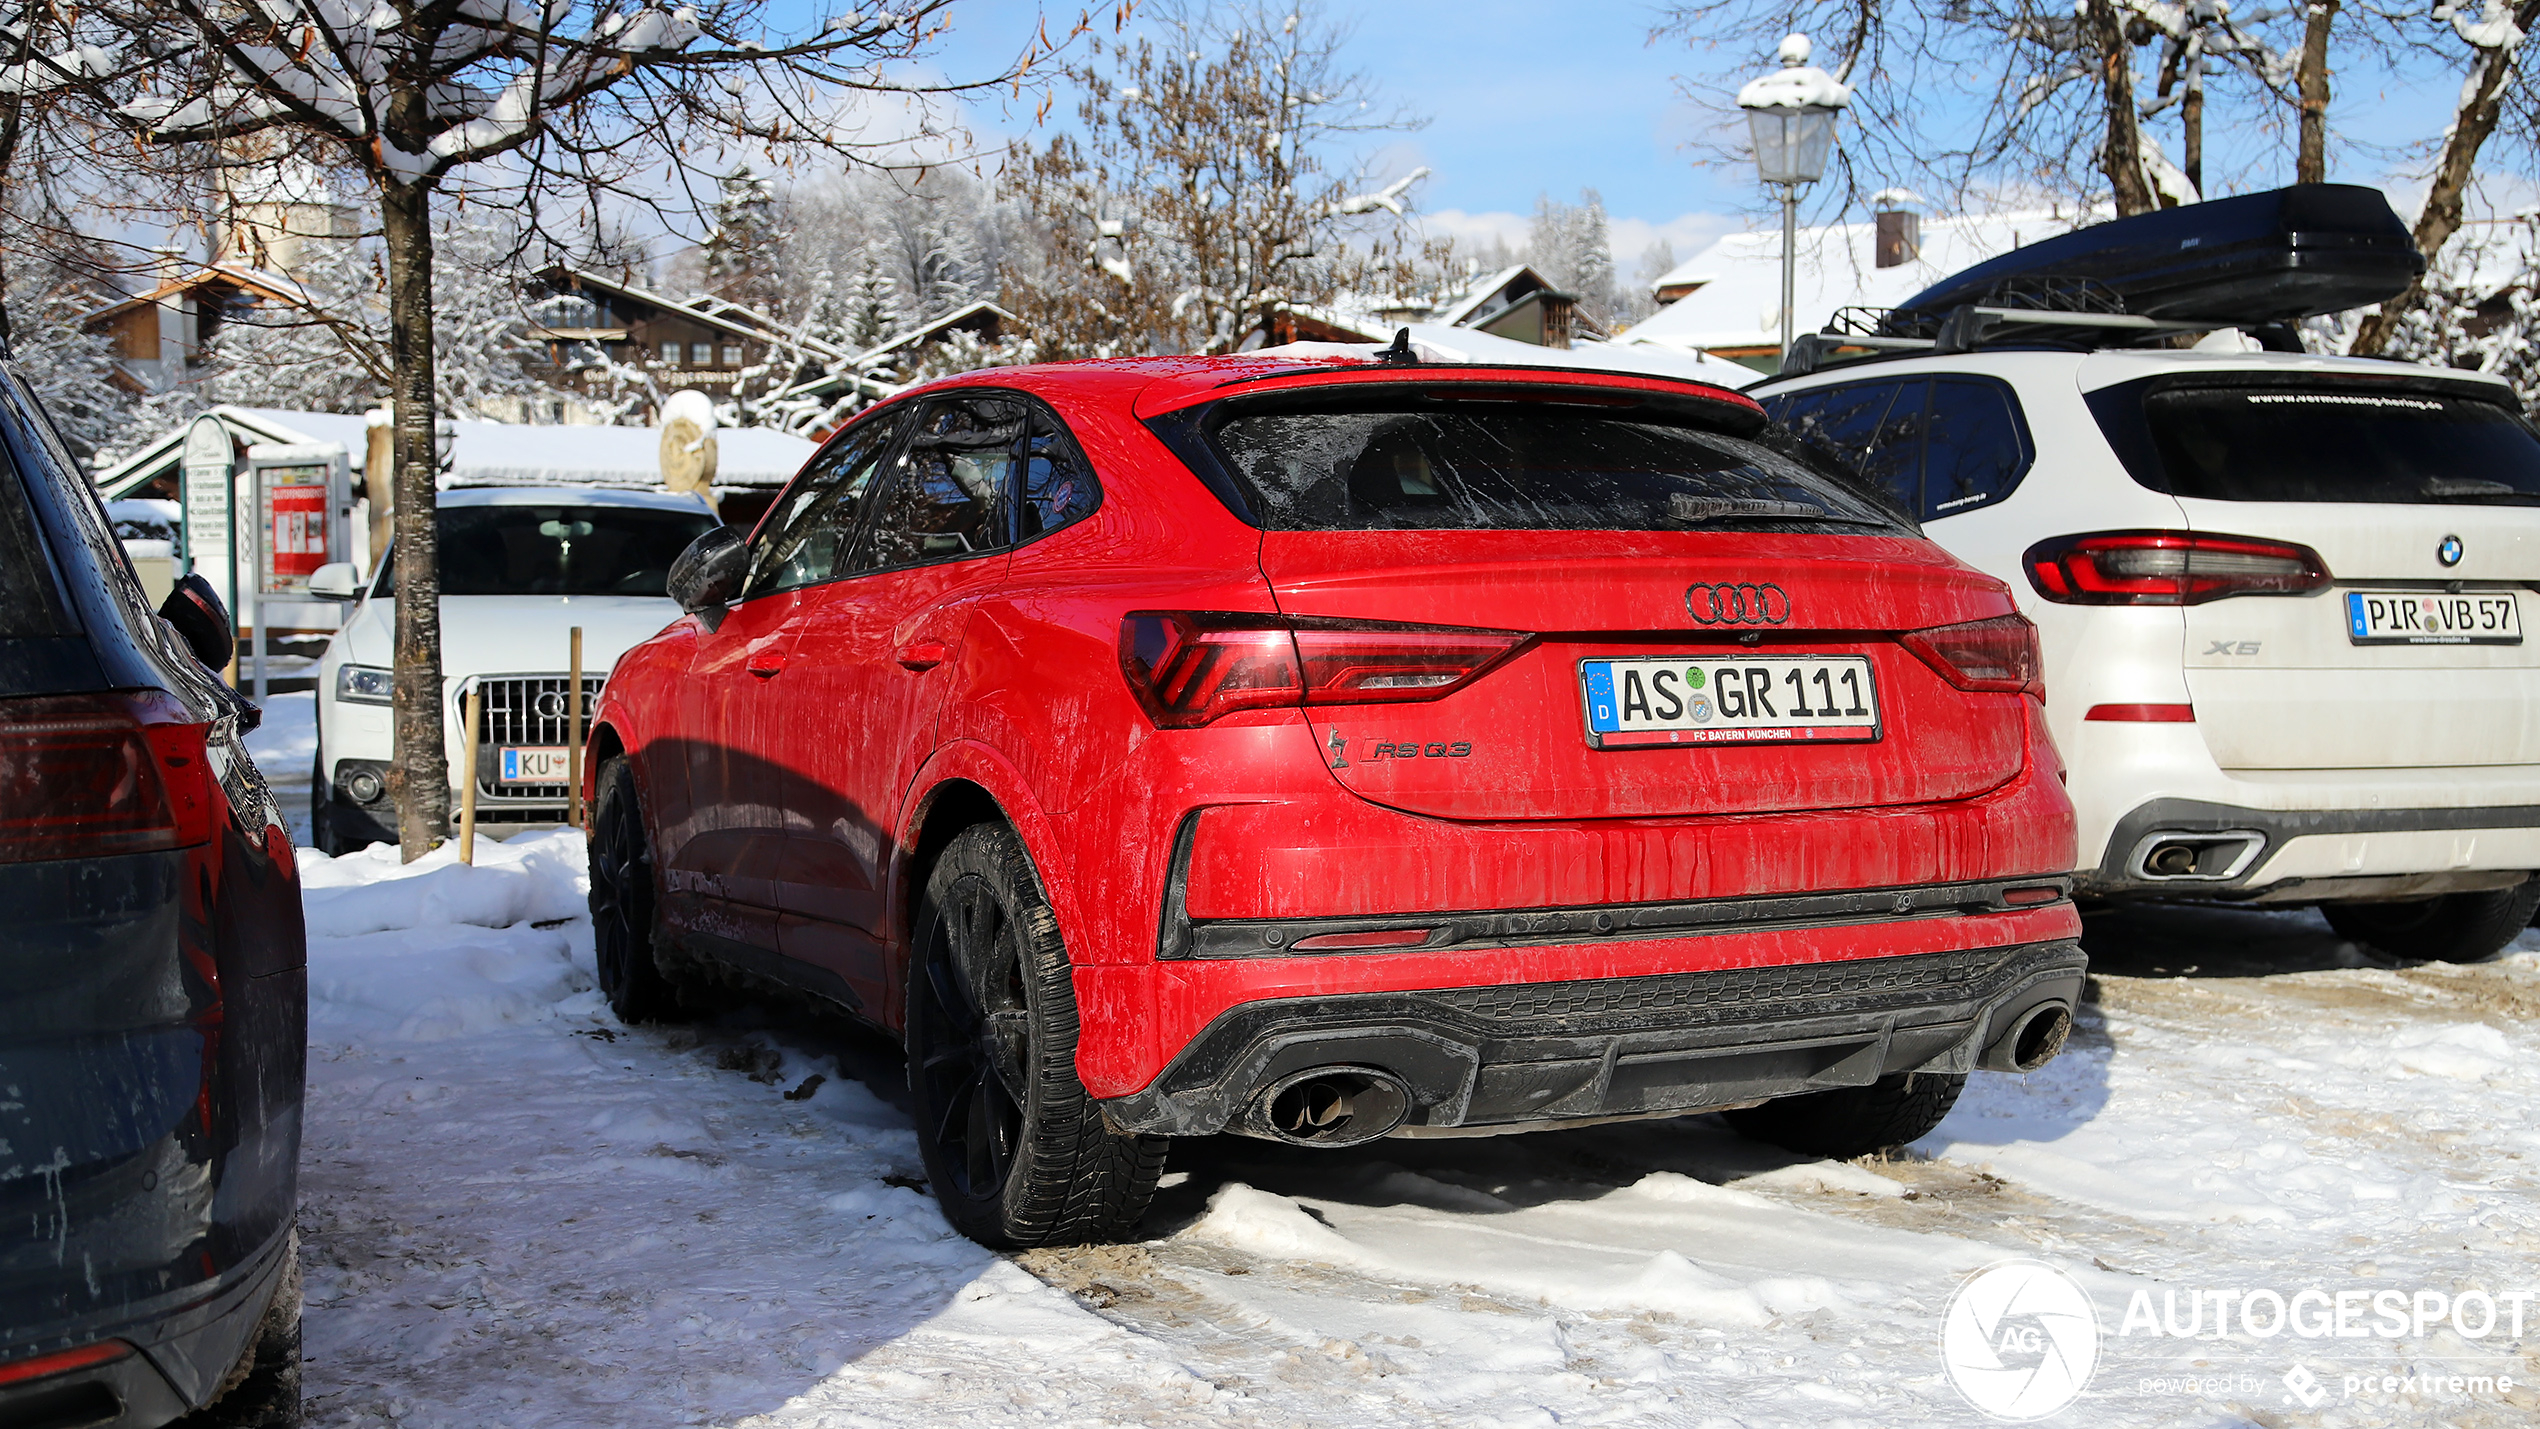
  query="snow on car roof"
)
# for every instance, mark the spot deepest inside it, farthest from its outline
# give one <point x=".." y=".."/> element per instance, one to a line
<point x="572" y="496"/>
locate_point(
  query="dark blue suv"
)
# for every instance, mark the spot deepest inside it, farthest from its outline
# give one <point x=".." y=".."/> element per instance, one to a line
<point x="153" y="987"/>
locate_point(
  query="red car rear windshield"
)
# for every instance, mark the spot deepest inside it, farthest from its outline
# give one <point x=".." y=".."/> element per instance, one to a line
<point x="1429" y="462"/>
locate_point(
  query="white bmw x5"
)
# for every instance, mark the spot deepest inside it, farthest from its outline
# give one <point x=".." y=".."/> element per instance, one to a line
<point x="2282" y="597"/>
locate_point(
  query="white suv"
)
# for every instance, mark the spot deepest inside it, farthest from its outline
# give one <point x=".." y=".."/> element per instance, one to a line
<point x="2281" y="603"/>
<point x="520" y="567"/>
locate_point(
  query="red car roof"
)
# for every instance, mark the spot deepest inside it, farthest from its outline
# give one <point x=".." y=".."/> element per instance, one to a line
<point x="1156" y="385"/>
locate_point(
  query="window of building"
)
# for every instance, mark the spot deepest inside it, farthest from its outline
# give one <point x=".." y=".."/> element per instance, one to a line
<point x="732" y="354"/>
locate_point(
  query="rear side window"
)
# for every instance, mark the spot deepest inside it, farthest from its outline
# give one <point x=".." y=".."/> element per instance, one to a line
<point x="30" y="600"/>
<point x="1975" y="447"/>
<point x="948" y="488"/>
<point x="1407" y="463"/>
<point x="1937" y="446"/>
<point x="2358" y="440"/>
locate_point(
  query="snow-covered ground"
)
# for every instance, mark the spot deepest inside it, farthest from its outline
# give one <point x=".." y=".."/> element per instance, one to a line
<point x="518" y="1212"/>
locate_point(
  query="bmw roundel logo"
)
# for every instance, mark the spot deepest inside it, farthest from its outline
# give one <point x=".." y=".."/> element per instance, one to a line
<point x="2449" y="553"/>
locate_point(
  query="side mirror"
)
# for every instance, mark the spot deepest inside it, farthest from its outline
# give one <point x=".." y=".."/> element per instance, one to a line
<point x="336" y="580"/>
<point x="708" y="574"/>
<point x="195" y="611"/>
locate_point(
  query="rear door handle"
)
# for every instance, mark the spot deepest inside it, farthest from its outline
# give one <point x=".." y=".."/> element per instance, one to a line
<point x="922" y="655"/>
<point x="766" y="664"/>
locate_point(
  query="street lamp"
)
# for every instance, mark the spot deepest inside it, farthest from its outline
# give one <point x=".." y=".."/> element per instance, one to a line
<point x="1791" y="115"/>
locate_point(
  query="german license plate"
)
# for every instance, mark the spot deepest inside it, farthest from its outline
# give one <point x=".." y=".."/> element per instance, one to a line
<point x="1756" y="699"/>
<point x="521" y="765"/>
<point x="2425" y="617"/>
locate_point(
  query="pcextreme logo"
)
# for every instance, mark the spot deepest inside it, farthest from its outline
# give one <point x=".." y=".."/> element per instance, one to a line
<point x="2019" y="1340"/>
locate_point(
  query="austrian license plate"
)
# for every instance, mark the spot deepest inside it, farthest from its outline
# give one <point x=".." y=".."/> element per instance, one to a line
<point x="2424" y="617"/>
<point x="520" y="765"/>
<point x="1689" y="699"/>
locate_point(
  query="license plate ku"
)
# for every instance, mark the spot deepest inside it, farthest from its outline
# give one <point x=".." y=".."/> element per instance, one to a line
<point x="531" y="765"/>
<point x="1755" y="699"/>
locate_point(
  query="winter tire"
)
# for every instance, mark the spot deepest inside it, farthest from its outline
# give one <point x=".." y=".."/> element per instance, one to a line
<point x="263" y="1390"/>
<point x="2455" y="928"/>
<point x="322" y="809"/>
<point x="1853" y="1121"/>
<point x="1017" y="1153"/>
<point x="625" y="899"/>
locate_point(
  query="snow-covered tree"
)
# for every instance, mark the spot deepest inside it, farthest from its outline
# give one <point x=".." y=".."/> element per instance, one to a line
<point x="71" y="368"/>
<point x="939" y="237"/>
<point x="2494" y="89"/>
<point x="739" y="257"/>
<point x="1570" y="245"/>
<point x="1201" y="202"/>
<point x="560" y="99"/>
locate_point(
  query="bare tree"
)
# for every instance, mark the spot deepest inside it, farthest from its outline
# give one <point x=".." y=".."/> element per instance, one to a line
<point x="2059" y="103"/>
<point x="1201" y="204"/>
<point x="2494" y="41"/>
<point x="558" y="101"/>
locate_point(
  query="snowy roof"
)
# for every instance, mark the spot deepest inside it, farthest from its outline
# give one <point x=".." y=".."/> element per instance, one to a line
<point x="1738" y="302"/>
<point x="718" y="313"/>
<point x="511" y="454"/>
<point x="494" y="453"/>
<point x="264" y="283"/>
<point x="577" y="495"/>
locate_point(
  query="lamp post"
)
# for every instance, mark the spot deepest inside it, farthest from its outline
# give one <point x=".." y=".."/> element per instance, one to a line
<point x="1791" y="115"/>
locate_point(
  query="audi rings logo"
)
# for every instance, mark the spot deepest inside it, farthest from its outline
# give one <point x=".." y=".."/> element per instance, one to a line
<point x="549" y="704"/>
<point x="1737" y="604"/>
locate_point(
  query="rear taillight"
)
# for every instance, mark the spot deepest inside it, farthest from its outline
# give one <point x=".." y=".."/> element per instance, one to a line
<point x="83" y="775"/>
<point x="1991" y="656"/>
<point x="2168" y="568"/>
<point x="1189" y="668"/>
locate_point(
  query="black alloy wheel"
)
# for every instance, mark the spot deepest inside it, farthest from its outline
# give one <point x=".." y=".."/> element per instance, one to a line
<point x="625" y="928"/>
<point x="1015" y="1150"/>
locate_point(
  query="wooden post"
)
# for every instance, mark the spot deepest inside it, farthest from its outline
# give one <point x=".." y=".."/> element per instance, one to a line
<point x="467" y="785"/>
<point x="573" y="732"/>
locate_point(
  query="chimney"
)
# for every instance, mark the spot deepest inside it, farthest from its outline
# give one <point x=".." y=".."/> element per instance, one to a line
<point x="1900" y="237"/>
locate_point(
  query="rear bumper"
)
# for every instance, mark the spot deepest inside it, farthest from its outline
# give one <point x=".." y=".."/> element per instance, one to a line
<point x="180" y="1354"/>
<point x="2300" y="856"/>
<point x="1514" y="1056"/>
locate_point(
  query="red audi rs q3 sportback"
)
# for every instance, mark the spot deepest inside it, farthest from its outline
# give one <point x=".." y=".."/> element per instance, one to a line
<point x="1328" y="749"/>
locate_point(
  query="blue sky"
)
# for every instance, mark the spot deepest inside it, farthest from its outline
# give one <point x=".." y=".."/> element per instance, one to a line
<point x="1530" y="98"/>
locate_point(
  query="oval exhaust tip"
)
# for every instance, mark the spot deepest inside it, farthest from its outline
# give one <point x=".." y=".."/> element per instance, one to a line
<point x="2032" y="1042"/>
<point x="1334" y="1106"/>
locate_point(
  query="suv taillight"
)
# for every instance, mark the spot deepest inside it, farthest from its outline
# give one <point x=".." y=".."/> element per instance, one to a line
<point x="2168" y="568"/>
<point x="1997" y="656"/>
<point x="84" y="775"/>
<point x="1189" y="667"/>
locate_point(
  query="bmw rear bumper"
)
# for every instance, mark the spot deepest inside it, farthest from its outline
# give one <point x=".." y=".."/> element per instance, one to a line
<point x="1520" y="1056"/>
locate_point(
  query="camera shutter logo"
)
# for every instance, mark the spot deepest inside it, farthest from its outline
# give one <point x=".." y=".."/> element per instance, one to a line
<point x="1737" y="604"/>
<point x="2019" y="1340"/>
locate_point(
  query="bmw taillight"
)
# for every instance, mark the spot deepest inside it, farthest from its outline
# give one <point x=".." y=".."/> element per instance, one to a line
<point x="1997" y="656"/>
<point x="2169" y="568"/>
<point x="84" y="775"/>
<point x="1189" y="668"/>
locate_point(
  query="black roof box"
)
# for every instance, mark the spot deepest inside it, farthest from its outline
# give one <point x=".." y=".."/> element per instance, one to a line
<point x="2244" y="261"/>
